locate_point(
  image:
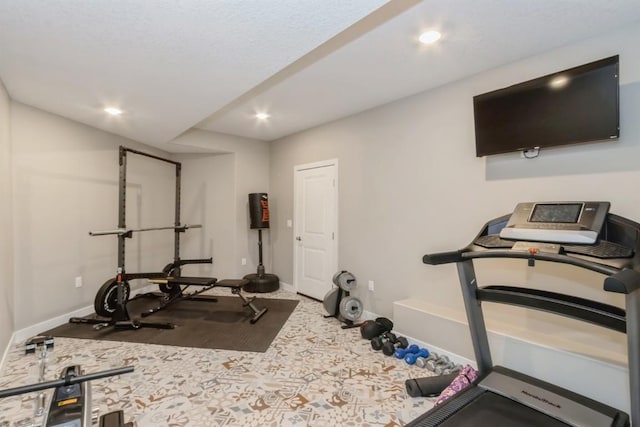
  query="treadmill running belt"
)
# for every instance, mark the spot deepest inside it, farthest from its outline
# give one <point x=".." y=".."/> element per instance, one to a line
<point x="490" y="409"/>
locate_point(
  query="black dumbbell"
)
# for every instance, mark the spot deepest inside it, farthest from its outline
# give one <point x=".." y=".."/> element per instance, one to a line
<point x="389" y="348"/>
<point x="46" y="341"/>
<point x="378" y="342"/>
<point x="370" y="329"/>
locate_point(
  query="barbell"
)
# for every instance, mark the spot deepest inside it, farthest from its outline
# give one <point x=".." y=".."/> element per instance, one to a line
<point x="125" y="231"/>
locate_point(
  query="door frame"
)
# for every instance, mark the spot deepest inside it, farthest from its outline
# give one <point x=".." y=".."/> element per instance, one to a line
<point x="296" y="184"/>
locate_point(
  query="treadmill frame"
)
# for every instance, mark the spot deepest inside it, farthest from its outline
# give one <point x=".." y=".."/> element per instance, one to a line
<point x="623" y="277"/>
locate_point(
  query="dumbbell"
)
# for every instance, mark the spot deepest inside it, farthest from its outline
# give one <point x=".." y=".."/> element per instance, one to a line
<point x="444" y="366"/>
<point x="33" y="343"/>
<point x="448" y="371"/>
<point x="411" y="357"/>
<point x="440" y="364"/>
<point x="402" y="352"/>
<point x="378" y="342"/>
<point x="389" y="347"/>
<point x="422" y="361"/>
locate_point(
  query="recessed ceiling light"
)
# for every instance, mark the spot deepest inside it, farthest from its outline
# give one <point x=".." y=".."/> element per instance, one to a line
<point x="559" y="82"/>
<point x="429" y="37"/>
<point x="113" y="111"/>
<point x="262" y="116"/>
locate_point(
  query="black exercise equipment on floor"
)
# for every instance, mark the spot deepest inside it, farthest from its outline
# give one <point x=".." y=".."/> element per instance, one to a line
<point x="259" y="212"/>
<point x="175" y="290"/>
<point x="71" y="401"/>
<point x="501" y="396"/>
<point x="111" y="299"/>
<point x="370" y="329"/>
<point x="106" y="302"/>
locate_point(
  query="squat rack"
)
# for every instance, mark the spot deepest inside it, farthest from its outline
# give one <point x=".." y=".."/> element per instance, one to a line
<point x="124" y="233"/>
<point x="120" y="317"/>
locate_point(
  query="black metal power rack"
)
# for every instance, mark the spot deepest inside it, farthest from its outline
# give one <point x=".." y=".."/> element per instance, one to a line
<point x="116" y="308"/>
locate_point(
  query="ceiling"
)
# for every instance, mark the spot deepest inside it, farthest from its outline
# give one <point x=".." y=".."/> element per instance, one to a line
<point x="212" y="64"/>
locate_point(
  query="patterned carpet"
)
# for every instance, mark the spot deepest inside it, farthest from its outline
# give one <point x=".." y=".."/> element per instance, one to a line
<point x="314" y="374"/>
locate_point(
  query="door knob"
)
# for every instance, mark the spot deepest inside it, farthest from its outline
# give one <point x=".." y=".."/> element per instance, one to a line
<point x="298" y="238"/>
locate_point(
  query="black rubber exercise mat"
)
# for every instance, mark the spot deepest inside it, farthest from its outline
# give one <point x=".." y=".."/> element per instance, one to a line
<point x="224" y="324"/>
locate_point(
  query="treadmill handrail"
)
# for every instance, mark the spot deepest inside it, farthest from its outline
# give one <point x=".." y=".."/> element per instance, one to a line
<point x="625" y="281"/>
<point x="443" y="257"/>
<point x="462" y="254"/>
<point x="594" y="312"/>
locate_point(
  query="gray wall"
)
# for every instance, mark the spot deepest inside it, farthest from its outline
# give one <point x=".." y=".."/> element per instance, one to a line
<point x="6" y="224"/>
<point x="65" y="178"/>
<point x="410" y="183"/>
<point x="208" y="196"/>
<point x="240" y="169"/>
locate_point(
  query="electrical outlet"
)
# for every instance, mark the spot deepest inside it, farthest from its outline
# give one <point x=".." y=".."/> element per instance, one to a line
<point x="243" y="261"/>
<point x="371" y="285"/>
<point x="79" y="282"/>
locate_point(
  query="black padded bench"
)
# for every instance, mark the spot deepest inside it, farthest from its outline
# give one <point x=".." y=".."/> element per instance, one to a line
<point x="236" y="286"/>
<point x="174" y="289"/>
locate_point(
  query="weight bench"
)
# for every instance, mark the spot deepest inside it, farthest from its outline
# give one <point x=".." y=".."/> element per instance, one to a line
<point x="174" y="289"/>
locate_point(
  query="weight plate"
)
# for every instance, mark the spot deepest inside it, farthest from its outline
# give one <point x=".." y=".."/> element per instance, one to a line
<point x="168" y="269"/>
<point x="351" y="308"/>
<point x="107" y="298"/>
<point x="346" y="281"/>
<point x="335" y="277"/>
<point x="330" y="301"/>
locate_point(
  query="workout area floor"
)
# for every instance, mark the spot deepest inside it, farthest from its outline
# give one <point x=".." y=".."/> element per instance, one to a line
<point x="313" y="374"/>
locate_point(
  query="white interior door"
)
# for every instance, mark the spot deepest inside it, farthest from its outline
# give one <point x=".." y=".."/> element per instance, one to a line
<point x="316" y="223"/>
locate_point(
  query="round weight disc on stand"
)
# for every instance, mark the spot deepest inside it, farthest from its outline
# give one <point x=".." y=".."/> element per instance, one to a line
<point x="335" y="277"/>
<point x="346" y="281"/>
<point x="330" y="301"/>
<point x="351" y="308"/>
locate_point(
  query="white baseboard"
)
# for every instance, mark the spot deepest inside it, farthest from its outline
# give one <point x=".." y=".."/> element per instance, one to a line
<point x="369" y="315"/>
<point x="287" y="287"/>
<point x="400" y="331"/>
<point x="32" y="330"/>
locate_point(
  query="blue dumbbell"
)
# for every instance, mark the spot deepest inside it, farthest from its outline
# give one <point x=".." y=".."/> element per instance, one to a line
<point x="402" y="352"/>
<point x="412" y="357"/>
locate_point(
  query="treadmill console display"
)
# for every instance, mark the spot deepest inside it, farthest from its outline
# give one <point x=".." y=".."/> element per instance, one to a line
<point x="559" y="222"/>
<point x="553" y="213"/>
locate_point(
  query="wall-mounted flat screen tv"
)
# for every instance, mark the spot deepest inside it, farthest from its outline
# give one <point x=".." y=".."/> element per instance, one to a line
<point x="577" y="105"/>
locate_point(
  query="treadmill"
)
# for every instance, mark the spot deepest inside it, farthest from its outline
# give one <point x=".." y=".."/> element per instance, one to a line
<point x="582" y="234"/>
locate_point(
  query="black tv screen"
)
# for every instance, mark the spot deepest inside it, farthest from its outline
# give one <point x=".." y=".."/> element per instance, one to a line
<point x="577" y="105"/>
